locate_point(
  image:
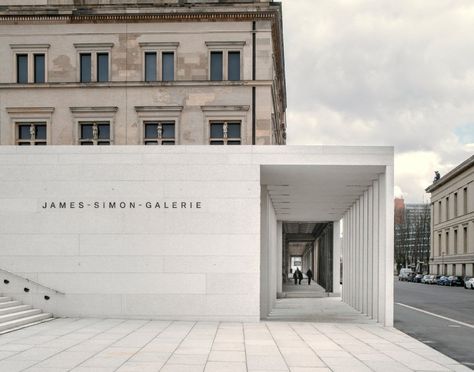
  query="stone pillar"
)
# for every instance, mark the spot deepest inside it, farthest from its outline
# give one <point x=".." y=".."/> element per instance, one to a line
<point x="279" y="257"/>
<point x="370" y="250"/>
<point x="336" y="257"/>
<point x="376" y="249"/>
<point x="364" y="252"/>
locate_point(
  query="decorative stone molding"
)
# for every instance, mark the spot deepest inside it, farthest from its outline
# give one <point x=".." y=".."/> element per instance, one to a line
<point x="93" y="110"/>
<point x="225" y="108"/>
<point x="30" y="46"/>
<point x="30" y="110"/>
<point x="93" y="46"/>
<point x="225" y="44"/>
<point x="158" y="108"/>
<point x="158" y="45"/>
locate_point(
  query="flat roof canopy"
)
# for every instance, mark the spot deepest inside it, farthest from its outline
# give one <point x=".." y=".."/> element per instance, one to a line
<point x="317" y="193"/>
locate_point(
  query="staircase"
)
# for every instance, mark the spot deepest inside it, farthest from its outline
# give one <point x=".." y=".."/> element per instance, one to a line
<point x="15" y="315"/>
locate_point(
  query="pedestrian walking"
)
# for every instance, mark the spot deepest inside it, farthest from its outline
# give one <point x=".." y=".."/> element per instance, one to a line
<point x="300" y="277"/>
<point x="309" y="274"/>
<point x="295" y="276"/>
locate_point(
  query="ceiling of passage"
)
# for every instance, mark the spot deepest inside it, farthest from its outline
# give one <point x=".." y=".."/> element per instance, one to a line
<point x="316" y="193"/>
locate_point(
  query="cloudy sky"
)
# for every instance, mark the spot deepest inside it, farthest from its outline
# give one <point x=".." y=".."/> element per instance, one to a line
<point x="383" y="72"/>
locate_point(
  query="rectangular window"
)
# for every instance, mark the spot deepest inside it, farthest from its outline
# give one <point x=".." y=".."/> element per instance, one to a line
<point x="22" y="68"/>
<point x="39" y="68"/>
<point x="439" y="212"/>
<point x="446" y="248"/>
<point x="86" y="67"/>
<point x="31" y="134"/>
<point x="102" y="67"/>
<point x="159" y="133"/>
<point x="447" y="208"/>
<point x="439" y="245"/>
<point x="455" y="201"/>
<point x="94" y="133"/>
<point x="225" y="133"/>
<point x="216" y="66"/>
<point x="167" y="66"/>
<point x="464" y="248"/>
<point x="233" y="66"/>
<point x="465" y="200"/>
<point x="455" y="242"/>
<point x="150" y="66"/>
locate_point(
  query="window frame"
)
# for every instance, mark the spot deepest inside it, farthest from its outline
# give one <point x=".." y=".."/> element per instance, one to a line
<point x="21" y="115"/>
<point x="31" y="141"/>
<point x="163" y="114"/>
<point x="98" y="114"/>
<point x="159" y="140"/>
<point x="227" y="114"/>
<point x="225" y="139"/>
<point x="93" y="49"/>
<point x="159" y="48"/>
<point x="225" y="47"/>
<point x="95" y="141"/>
<point x="30" y="50"/>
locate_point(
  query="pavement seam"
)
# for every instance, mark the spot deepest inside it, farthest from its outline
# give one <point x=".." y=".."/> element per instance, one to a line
<point x="62" y="351"/>
<point x="159" y="333"/>
<point x="113" y="343"/>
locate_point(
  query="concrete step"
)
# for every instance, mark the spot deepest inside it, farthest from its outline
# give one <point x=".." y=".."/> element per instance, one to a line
<point x="14" y="309"/>
<point x="9" y="304"/>
<point x="5" y="299"/>
<point x="24" y="321"/>
<point x="18" y="315"/>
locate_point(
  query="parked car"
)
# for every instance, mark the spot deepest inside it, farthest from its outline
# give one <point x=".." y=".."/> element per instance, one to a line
<point x="417" y="278"/>
<point x="435" y="279"/>
<point x="455" y="281"/>
<point x="424" y="279"/>
<point x="431" y="279"/>
<point x="405" y="274"/>
<point x="469" y="284"/>
<point x="443" y="280"/>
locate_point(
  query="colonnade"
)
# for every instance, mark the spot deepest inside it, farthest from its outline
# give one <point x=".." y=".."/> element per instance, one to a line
<point x="367" y="251"/>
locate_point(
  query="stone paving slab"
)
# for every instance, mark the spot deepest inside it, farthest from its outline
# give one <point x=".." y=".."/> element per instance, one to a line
<point x="70" y="344"/>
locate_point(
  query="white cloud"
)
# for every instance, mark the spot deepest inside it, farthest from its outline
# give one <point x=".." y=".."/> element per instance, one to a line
<point x="382" y="72"/>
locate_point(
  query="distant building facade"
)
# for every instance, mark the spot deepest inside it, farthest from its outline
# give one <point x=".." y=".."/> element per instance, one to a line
<point x="452" y="214"/>
<point x="412" y="235"/>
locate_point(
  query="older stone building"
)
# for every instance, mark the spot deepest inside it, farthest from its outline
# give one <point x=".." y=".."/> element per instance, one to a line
<point x="131" y="72"/>
<point x="452" y="216"/>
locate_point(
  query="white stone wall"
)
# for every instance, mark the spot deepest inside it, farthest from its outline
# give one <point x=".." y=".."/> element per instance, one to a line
<point x="144" y="263"/>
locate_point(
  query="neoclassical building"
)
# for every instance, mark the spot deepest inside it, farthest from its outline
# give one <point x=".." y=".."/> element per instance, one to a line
<point x="162" y="72"/>
<point x="452" y="221"/>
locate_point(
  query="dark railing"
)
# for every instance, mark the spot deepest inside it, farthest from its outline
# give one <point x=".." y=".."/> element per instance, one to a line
<point x="26" y="289"/>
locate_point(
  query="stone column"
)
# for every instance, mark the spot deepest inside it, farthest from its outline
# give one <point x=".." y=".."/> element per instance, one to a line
<point x="279" y="257"/>
<point x="336" y="257"/>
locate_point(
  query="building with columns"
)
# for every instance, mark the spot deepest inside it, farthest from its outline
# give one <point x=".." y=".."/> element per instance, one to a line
<point x="183" y="231"/>
<point x="452" y="221"/>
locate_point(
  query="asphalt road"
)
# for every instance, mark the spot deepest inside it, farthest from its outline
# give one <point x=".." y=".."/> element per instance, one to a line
<point x="456" y="340"/>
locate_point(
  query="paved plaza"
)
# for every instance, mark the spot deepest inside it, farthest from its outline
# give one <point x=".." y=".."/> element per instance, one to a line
<point x="102" y="345"/>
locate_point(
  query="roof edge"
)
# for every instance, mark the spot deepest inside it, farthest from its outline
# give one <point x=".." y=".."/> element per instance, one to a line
<point x="451" y="174"/>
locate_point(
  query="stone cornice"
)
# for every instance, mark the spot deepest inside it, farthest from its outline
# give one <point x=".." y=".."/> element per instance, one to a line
<point x="141" y="84"/>
<point x="30" y="110"/>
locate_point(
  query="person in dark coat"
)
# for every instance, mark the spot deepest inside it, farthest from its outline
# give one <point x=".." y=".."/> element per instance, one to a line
<point x="295" y="276"/>
<point x="309" y="274"/>
<point x="300" y="276"/>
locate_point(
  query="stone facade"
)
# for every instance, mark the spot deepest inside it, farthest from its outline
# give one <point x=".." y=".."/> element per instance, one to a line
<point x="452" y="216"/>
<point x="52" y="91"/>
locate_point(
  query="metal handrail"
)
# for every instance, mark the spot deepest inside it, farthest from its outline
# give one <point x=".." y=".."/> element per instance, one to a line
<point x="32" y="281"/>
